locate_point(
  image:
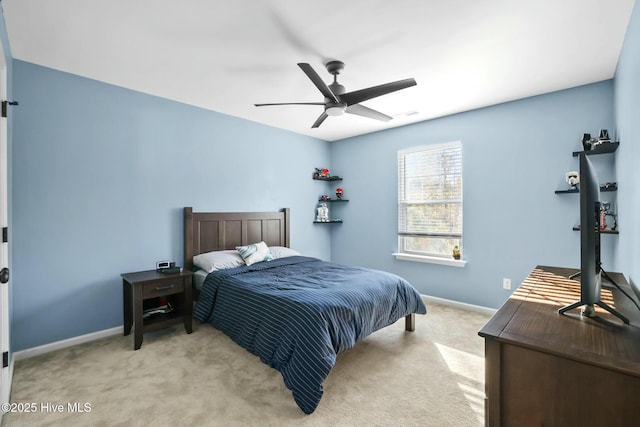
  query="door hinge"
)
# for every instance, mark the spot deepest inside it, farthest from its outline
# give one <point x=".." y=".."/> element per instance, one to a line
<point x="5" y="359"/>
<point x="4" y="106"/>
<point x="5" y="235"/>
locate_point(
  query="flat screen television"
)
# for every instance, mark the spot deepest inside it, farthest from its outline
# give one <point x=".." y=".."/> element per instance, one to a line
<point x="591" y="272"/>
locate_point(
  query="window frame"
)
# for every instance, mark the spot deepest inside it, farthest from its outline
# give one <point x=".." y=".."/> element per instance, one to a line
<point x="402" y="253"/>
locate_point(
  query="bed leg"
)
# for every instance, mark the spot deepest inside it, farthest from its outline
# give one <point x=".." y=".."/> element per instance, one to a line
<point x="410" y="322"/>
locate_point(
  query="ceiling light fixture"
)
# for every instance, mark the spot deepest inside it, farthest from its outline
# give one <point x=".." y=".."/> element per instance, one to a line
<point x="335" y="110"/>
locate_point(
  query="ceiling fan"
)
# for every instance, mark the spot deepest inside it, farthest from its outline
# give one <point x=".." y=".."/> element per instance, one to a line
<point x="337" y="101"/>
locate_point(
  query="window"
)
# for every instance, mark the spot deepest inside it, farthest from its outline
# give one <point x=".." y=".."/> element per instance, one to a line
<point x="430" y="200"/>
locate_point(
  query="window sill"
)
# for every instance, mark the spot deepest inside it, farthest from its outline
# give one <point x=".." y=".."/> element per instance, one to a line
<point x="430" y="259"/>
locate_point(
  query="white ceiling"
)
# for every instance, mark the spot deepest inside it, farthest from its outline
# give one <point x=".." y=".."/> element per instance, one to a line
<point x="226" y="55"/>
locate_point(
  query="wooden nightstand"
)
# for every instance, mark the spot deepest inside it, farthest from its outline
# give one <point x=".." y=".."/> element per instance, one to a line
<point x="143" y="291"/>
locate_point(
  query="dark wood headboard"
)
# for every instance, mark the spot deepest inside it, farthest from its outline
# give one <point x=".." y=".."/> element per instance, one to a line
<point x="216" y="231"/>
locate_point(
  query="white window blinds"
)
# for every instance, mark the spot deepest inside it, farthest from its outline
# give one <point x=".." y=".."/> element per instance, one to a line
<point x="430" y="199"/>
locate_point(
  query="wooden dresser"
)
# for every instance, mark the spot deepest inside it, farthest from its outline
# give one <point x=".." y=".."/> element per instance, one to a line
<point x="548" y="369"/>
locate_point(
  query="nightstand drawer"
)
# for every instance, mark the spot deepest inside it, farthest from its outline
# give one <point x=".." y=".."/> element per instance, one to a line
<point x="162" y="287"/>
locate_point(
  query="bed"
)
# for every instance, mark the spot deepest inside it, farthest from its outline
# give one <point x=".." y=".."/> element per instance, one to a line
<point x="296" y="313"/>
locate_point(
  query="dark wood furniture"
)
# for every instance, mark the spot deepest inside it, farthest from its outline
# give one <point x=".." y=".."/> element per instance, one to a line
<point x="217" y="231"/>
<point x="550" y="369"/>
<point x="143" y="290"/>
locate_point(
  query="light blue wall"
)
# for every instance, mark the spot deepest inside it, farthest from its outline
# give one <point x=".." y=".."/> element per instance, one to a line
<point x="514" y="156"/>
<point x="627" y="108"/>
<point x="100" y="176"/>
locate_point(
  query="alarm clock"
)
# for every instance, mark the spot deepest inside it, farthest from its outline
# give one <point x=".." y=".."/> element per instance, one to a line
<point x="161" y="265"/>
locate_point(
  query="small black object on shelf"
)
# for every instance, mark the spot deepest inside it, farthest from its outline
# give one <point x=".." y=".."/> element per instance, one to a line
<point x="163" y="309"/>
<point x="586" y="141"/>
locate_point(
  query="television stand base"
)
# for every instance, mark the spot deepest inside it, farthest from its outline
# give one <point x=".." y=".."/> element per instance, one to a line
<point x="589" y="311"/>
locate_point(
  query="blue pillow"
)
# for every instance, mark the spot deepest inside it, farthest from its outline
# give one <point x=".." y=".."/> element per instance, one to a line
<point x="255" y="252"/>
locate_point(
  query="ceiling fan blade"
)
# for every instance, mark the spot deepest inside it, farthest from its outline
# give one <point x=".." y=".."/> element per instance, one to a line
<point x="290" y="103"/>
<point x="320" y="119"/>
<point x="363" y="111"/>
<point x="361" y="95"/>
<point x="320" y="84"/>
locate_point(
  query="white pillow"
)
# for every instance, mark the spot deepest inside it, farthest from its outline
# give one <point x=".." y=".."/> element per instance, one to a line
<point x="282" y="251"/>
<point x="218" y="260"/>
<point x="255" y="252"/>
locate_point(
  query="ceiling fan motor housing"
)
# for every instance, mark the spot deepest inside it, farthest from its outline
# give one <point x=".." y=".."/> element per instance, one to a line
<point x="335" y="108"/>
<point x="337" y="88"/>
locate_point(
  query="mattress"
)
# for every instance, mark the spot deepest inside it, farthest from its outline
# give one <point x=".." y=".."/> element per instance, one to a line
<point x="198" y="278"/>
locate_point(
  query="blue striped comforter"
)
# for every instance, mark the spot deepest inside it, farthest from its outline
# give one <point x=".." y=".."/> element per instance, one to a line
<point x="298" y="313"/>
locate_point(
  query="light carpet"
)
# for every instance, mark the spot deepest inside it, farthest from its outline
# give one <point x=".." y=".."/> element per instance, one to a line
<point x="433" y="376"/>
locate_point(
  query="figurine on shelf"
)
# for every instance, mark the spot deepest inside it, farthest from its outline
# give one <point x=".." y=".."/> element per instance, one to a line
<point x="321" y="173"/>
<point x="572" y="178"/>
<point x="589" y="143"/>
<point x="323" y="213"/>
<point x="586" y="141"/>
<point x="339" y="192"/>
<point x="605" y="211"/>
<point x="614" y="217"/>
<point x="603" y="220"/>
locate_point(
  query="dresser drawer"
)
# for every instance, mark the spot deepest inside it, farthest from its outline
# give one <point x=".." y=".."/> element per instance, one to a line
<point x="162" y="287"/>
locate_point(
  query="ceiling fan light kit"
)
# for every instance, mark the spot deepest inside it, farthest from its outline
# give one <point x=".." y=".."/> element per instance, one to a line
<point x="335" y="110"/>
<point x="337" y="101"/>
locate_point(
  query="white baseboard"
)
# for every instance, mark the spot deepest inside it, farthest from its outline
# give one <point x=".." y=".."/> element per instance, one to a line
<point x="42" y="349"/>
<point x="462" y="305"/>
<point x="36" y="351"/>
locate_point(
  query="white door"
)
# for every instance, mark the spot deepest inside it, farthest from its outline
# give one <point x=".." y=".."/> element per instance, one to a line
<point x="5" y="376"/>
